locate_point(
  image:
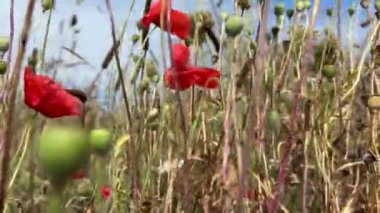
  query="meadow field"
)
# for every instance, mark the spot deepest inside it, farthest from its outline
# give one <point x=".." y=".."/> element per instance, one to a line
<point x="189" y="106"/>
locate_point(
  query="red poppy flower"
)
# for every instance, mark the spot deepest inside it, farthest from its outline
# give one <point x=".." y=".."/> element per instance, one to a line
<point x="106" y="192"/>
<point x="180" y="23"/>
<point x="47" y="97"/>
<point x="79" y="174"/>
<point x="188" y="75"/>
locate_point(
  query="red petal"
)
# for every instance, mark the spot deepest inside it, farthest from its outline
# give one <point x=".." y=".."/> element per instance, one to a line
<point x="181" y="56"/>
<point x="106" y="192"/>
<point x="79" y="174"/>
<point x="185" y="79"/>
<point x="47" y="97"/>
<point x="206" y="77"/>
<point x="180" y="22"/>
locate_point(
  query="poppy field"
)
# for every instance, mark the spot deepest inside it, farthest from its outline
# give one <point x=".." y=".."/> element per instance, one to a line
<point x="267" y="106"/>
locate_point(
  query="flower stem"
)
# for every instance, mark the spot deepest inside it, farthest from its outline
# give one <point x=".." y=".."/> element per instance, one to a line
<point x="55" y="200"/>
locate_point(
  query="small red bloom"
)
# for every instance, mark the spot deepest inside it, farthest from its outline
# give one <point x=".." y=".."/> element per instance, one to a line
<point x="106" y="192"/>
<point x="188" y="75"/>
<point x="47" y="97"/>
<point x="180" y="23"/>
<point x="79" y="174"/>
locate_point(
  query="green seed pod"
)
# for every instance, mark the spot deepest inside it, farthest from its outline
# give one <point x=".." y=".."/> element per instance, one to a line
<point x="155" y="79"/>
<point x="377" y="5"/>
<point x="62" y="151"/>
<point x="287" y="98"/>
<point x="300" y="6"/>
<point x="329" y="71"/>
<point x="135" y="38"/>
<point x="234" y="25"/>
<point x="3" y="67"/>
<point x="100" y="140"/>
<point x="244" y="4"/>
<point x="47" y="5"/>
<point x="351" y="11"/>
<point x="151" y="69"/>
<point x="330" y="12"/>
<point x="307" y="4"/>
<point x="273" y="121"/>
<point x="4" y="44"/>
<point x="279" y="9"/>
<point x="144" y="84"/>
<point x="289" y="13"/>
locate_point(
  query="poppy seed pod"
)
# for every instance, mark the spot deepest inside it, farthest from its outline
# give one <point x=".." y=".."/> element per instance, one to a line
<point x="244" y="4"/>
<point x="330" y="12"/>
<point x="3" y="67"/>
<point x="47" y="5"/>
<point x="300" y="6"/>
<point x="4" y="44"/>
<point x="374" y="102"/>
<point x="62" y="151"/>
<point x="289" y="13"/>
<point x="273" y="121"/>
<point x="351" y="11"/>
<point x="135" y="38"/>
<point x="144" y="84"/>
<point x="279" y="9"/>
<point x="307" y="4"/>
<point x="377" y="5"/>
<point x="224" y="16"/>
<point x="329" y="71"/>
<point x="100" y="140"/>
<point x="234" y="25"/>
<point x="151" y="69"/>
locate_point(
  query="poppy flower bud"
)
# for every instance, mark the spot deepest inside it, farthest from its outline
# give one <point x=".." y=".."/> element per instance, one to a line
<point x="47" y="5"/>
<point x="273" y="121"/>
<point x="351" y="11"/>
<point x="4" y="44"/>
<point x="329" y="71"/>
<point x="289" y="13"/>
<point x="234" y="26"/>
<point x="3" y="67"/>
<point x="244" y="4"/>
<point x="135" y="38"/>
<point x="74" y="20"/>
<point x="279" y="9"/>
<point x="300" y="6"/>
<point x="100" y="140"/>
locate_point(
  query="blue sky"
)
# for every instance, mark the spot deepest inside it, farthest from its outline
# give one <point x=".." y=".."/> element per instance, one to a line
<point x="94" y="39"/>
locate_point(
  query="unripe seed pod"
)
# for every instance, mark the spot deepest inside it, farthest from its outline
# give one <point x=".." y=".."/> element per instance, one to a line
<point x="279" y="9"/>
<point x="329" y="71"/>
<point x="4" y="44"/>
<point x="234" y="25"/>
<point x="3" y="67"/>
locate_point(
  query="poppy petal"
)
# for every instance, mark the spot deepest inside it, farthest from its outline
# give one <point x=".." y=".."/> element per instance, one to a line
<point x="185" y="79"/>
<point x="180" y="22"/>
<point x="47" y="97"/>
<point x="205" y="77"/>
<point x="181" y="56"/>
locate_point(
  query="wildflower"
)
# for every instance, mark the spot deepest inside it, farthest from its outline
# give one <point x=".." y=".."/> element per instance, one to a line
<point x="188" y="75"/>
<point x="106" y="192"/>
<point x="180" y="23"/>
<point x="47" y="97"/>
